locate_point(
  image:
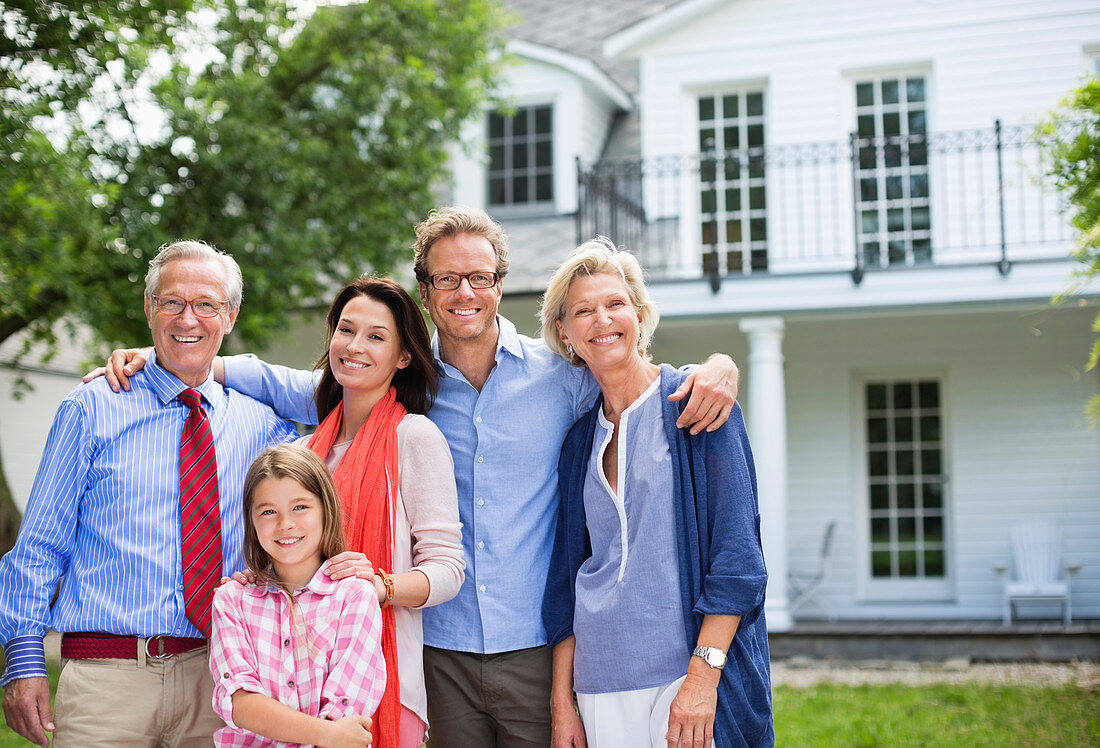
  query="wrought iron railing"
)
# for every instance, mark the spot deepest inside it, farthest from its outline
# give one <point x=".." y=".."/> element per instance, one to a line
<point x="869" y="204"/>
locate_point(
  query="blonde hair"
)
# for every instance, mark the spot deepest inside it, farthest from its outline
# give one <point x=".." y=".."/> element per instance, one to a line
<point x="305" y="468"/>
<point x="454" y="221"/>
<point x="598" y="255"/>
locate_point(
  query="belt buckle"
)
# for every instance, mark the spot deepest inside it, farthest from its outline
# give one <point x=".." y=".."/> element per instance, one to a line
<point x="161" y="655"/>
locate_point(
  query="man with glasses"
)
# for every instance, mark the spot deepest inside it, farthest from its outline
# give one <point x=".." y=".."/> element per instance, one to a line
<point x="136" y="508"/>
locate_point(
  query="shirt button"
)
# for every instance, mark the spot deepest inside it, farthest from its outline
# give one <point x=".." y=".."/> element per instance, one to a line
<point x="286" y="642"/>
<point x="481" y="502"/>
<point x="482" y="588"/>
<point x="478" y="419"/>
<point x="225" y="675"/>
<point x="344" y="702"/>
<point x="480" y="459"/>
<point x="481" y="544"/>
<point x="290" y="683"/>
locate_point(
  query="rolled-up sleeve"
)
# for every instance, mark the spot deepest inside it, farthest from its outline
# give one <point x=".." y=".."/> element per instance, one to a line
<point x="233" y="656"/>
<point x="736" y="581"/>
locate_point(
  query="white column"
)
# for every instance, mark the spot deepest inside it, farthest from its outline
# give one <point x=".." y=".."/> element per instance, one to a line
<point x="767" y="412"/>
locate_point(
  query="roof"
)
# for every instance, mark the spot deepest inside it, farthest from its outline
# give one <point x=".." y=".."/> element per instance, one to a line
<point x="579" y="27"/>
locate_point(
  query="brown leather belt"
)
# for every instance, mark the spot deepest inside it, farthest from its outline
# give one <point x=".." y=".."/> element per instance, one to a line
<point x="90" y="645"/>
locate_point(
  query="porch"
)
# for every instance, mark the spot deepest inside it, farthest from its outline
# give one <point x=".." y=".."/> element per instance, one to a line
<point x="976" y="641"/>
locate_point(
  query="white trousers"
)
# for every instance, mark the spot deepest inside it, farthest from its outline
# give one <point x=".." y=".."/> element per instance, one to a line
<point x="628" y="719"/>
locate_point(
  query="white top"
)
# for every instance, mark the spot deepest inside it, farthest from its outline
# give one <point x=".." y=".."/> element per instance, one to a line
<point x="427" y="537"/>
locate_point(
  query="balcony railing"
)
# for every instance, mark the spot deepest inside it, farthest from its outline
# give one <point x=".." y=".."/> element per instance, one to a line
<point x="866" y="205"/>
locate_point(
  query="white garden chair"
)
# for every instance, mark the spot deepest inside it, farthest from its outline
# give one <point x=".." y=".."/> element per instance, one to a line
<point x="803" y="585"/>
<point x="1039" y="574"/>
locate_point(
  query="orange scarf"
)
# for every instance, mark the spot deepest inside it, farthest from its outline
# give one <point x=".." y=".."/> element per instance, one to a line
<point x="366" y="481"/>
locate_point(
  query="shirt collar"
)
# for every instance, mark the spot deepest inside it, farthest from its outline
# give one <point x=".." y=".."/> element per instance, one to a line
<point x="168" y="387"/>
<point x="507" y="341"/>
<point x="320" y="584"/>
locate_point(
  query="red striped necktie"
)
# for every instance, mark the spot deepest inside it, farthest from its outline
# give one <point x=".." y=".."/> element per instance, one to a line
<point x="201" y="525"/>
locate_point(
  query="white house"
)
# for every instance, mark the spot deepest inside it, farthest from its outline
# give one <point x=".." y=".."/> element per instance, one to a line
<point x="846" y="197"/>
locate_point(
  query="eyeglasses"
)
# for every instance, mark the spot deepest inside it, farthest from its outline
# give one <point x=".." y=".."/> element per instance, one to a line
<point x="173" y="305"/>
<point x="451" y="281"/>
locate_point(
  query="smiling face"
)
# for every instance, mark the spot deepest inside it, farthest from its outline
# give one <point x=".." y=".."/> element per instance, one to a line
<point x="365" y="351"/>
<point x="600" y="322"/>
<point x="464" y="315"/>
<point x="289" y="524"/>
<point x="186" y="344"/>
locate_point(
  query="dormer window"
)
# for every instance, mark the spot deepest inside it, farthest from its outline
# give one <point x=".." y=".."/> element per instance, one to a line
<point x="521" y="156"/>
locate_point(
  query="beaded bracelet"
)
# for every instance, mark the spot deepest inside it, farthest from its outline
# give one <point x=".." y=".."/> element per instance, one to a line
<point x="387" y="581"/>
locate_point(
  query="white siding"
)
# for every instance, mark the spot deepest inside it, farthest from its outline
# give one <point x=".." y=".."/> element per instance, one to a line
<point x="1017" y="445"/>
<point x="582" y="118"/>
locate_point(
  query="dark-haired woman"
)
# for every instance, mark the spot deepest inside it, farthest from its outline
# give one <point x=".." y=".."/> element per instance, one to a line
<point x="394" y="474"/>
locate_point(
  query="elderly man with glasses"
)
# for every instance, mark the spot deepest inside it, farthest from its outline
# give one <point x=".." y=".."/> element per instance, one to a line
<point x="136" y="509"/>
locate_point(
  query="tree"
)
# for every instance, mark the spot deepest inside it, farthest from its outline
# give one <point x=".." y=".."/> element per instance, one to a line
<point x="307" y="147"/>
<point x="1071" y="144"/>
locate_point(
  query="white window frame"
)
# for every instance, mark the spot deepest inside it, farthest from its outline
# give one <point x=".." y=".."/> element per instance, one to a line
<point x="900" y="589"/>
<point x="533" y="206"/>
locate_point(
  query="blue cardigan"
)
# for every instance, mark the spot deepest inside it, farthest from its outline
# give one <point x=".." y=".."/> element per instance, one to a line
<point x="718" y="545"/>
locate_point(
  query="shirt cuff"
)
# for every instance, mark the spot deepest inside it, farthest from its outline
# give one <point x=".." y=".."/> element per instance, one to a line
<point x="225" y="687"/>
<point x="26" y="658"/>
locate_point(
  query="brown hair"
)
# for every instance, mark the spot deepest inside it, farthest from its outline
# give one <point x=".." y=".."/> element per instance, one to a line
<point x="305" y="468"/>
<point x="452" y="222"/>
<point x="417" y="383"/>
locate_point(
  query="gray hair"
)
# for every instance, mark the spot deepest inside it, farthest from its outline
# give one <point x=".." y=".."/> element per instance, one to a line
<point x="598" y="255"/>
<point x="188" y="250"/>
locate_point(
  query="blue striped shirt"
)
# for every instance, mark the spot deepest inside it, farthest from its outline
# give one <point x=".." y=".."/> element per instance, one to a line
<point x="104" y="513"/>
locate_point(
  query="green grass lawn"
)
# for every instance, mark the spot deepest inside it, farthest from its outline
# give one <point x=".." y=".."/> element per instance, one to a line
<point x="896" y="716"/>
<point x="970" y="715"/>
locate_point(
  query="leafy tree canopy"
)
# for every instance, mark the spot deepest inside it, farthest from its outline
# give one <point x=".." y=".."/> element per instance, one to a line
<point x="1071" y="140"/>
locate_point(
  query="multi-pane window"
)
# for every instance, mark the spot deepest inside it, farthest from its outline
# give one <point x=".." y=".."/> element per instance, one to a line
<point x="904" y="428"/>
<point x="521" y="156"/>
<point x="893" y="208"/>
<point x="732" y="199"/>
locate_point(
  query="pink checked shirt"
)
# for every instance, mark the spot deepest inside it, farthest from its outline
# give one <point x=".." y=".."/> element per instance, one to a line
<point x="325" y="660"/>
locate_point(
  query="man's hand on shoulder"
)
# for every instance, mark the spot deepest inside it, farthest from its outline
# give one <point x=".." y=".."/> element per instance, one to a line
<point x="122" y="364"/>
<point x="713" y="390"/>
<point x="27" y="709"/>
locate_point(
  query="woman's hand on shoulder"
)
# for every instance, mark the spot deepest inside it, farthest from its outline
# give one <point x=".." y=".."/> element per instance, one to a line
<point x="691" y="716"/>
<point x="122" y="364"/>
<point x="349" y="564"/>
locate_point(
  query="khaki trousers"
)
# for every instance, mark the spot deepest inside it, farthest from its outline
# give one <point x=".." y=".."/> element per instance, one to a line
<point x="130" y="703"/>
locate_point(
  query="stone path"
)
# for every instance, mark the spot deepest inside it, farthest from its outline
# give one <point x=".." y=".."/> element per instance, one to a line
<point x="801" y="672"/>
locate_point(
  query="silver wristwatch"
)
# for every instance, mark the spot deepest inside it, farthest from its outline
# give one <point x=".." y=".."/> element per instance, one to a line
<point x="716" y="658"/>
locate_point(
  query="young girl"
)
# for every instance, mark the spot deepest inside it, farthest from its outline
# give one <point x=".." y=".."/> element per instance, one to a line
<point x="296" y="657"/>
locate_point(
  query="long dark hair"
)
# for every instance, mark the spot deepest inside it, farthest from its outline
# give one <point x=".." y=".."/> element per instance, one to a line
<point x="418" y="382"/>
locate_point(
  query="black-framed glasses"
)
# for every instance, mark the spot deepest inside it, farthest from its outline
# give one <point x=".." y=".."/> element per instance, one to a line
<point x="451" y="281"/>
<point x="173" y="305"/>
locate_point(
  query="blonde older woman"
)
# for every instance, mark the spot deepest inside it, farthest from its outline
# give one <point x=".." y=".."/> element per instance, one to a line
<point x="655" y="599"/>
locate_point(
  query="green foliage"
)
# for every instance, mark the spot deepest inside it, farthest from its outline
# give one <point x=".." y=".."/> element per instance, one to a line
<point x="307" y="147"/>
<point x="1071" y="145"/>
<point x="974" y="715"/>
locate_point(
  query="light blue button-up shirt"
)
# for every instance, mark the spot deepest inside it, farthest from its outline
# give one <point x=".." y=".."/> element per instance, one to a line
<point x="104" y="512"/>
<point x="505" y="442"/>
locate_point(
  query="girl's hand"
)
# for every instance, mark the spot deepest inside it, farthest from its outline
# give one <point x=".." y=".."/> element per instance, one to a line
<point x="349" y="564"/>
<point x="691" y="716"/>
<point x="352" y="731"/>
<point x="567" y="730"/>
